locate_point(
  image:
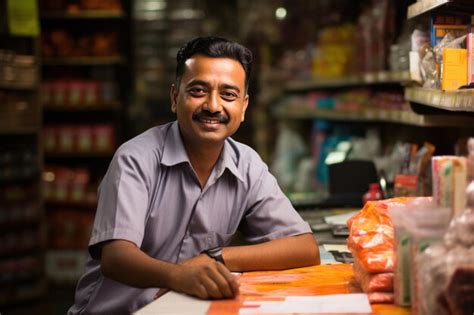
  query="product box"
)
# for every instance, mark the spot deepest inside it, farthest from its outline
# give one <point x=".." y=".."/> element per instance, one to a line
<point x="470" y="57"/>
<point x="454" y="69"/>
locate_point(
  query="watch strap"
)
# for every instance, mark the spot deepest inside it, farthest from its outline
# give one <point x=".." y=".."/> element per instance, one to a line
<point x="216" y="254"/>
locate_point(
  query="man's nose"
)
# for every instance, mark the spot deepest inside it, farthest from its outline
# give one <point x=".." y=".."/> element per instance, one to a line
<point x="212" y="103"/>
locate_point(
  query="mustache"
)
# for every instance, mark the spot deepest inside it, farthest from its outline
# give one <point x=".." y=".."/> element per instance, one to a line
<point x="205" y="114"/>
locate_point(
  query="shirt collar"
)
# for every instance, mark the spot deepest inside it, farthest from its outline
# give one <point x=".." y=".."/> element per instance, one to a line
<point x="174" y="153"/>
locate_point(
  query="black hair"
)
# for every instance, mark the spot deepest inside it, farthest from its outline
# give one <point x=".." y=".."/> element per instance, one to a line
<point x="217" y="47"/>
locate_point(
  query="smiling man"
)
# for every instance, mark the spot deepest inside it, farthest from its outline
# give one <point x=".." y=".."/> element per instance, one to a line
<point x="174" y="196"/>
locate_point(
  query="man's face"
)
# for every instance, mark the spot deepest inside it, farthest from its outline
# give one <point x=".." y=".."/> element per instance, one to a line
<point x="211" y="101"/>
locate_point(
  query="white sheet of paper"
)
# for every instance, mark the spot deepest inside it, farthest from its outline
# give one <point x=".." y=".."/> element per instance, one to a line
<point x="173" y="303"/>
<point x="339" y="218"/>
<point x="357" y="303"/>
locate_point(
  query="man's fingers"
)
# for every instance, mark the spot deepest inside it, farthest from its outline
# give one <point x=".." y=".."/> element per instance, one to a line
<point x="230" y="279"/>
<point x="212" y="288"/>
<point x="219" y="276"/>
<point x="201" y="291"/>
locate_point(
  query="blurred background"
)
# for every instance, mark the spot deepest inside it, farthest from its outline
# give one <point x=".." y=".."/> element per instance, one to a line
<point x="333" y="81"/>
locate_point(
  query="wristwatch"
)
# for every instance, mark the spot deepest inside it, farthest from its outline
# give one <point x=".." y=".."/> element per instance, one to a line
<point x="216" y="254"/>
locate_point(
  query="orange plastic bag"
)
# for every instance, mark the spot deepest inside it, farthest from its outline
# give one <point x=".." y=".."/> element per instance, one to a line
<point x="373" y="282"/>
<point x="371" y="237"/>
<point x="380" y="297"/>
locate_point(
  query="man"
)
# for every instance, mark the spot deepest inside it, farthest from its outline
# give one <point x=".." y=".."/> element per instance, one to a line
<point x="173" y="197"/>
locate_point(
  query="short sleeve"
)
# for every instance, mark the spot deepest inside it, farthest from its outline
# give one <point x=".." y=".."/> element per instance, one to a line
<point x="122" y="203"/>
<point x="270" y="214"/>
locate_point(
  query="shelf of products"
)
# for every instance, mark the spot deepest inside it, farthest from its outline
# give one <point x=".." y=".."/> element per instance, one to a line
<point x="83" y="61"/>
<point x="380" y="77"/>
<point x="427" y="6"/>
<point x="111" y="106"/>
<point x="461" y="100"/>
<point x="95" y="14"/>
<point x="22" y="217"/>
<point x="83" y="95"/>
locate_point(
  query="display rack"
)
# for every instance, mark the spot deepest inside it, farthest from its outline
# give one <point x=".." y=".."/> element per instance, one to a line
<point x="22" y="217"/>
<point x="83" y="61"/>
<point x="84" y="92"/>
<point x="96" y="14"/>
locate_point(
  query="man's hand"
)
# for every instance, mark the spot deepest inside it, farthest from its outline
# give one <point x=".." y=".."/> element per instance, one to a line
<point x="205" y="278"/>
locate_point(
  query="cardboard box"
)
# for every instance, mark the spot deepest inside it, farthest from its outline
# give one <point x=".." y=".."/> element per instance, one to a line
<point x="454" y="69"/>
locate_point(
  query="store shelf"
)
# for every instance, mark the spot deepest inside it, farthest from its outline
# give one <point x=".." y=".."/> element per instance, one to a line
<point x="96" y="14"/>
<point x="381" y="77"/>
<point x="461" y="100"/>
<point x="392" y="116"/>
<point x="71" y="204"/>
<point x="18" y="86"/>
<point x="60" y="154"/>
<point x="110" y="106"/>
<point x="82" y="61"/>
<point x="453" y="6"/>
<point x="18" y="130"/>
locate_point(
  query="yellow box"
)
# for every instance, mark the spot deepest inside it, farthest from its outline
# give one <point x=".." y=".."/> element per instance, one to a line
<point x="454" y="72"/>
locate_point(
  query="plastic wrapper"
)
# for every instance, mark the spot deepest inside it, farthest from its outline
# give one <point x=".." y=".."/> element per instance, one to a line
<point x="380" y="297"/>
<point x="446" y="271"/>
<point x="373" y="282"/>
<point x="371" y="237"/>
<point x="460" y="231"/>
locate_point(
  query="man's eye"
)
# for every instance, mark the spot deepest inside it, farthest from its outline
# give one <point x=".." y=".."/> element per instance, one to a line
<point x="229" y="96"/>
<point x="197" y="91"/>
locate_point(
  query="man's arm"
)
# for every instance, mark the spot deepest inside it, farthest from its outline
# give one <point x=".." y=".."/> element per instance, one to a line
<point x="201" y="276"/>
<point x="284" y="253"/>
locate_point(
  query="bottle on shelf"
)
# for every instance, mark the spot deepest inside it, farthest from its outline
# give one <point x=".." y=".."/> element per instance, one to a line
<point x="374" y="193"/>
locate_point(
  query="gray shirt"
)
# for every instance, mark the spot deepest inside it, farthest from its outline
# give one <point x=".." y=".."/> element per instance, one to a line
<point x="151" y="196"/>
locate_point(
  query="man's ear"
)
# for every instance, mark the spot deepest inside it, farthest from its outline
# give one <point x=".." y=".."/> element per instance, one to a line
<point x="173" y="98"/>
<point x="244" y="109"/>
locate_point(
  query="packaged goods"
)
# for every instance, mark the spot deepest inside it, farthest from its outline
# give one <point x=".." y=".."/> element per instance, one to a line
<point x="450" y="182"/>
<point x="373" y="282"/>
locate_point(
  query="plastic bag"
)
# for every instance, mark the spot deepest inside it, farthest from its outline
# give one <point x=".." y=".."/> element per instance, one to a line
<point x="380" y="297"/>
<point x="371" y="237"/>
<point x="373" y="282"/>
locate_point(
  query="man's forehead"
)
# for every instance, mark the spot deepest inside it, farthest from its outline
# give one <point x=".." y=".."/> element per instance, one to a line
<point x="200" y="58"/>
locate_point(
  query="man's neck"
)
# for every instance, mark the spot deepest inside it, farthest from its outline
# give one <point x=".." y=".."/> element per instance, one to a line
<point x="203" y="158"/>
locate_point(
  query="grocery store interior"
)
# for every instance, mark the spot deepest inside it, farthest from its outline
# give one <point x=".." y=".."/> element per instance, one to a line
<point x="350" y="101"/>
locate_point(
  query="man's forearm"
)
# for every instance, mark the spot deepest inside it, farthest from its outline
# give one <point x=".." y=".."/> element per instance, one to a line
<point x="289" y="252"/>
<point x="122" y="261"/>
<point x="200" y="276"/>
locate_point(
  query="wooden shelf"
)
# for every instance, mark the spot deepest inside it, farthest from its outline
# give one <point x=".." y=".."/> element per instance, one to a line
<point x="110" y="106"/>
<point x="372" y="78"/>
<point x="18" y="86"/>
<point x="460" y="100"/>
<point x="392" y="116"/>
<point x="83" y="61"/>
<point x="19" y="130"/>
<point x="96" y="14"/>
<point x="62" y="154"/>
<point x="448" y="6"/>
<point x="70" y="204"/>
